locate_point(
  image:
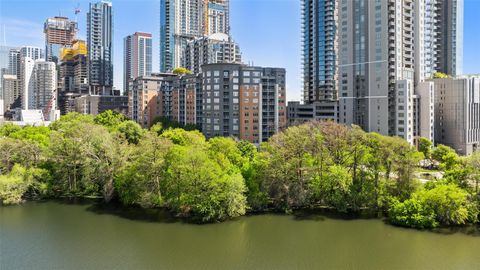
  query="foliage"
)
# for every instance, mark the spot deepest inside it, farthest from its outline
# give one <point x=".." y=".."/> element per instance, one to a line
<point x="317" y="164"/>
<point x="110" y="119"/>
<point x="442" y="204"/>
<point x="21" y="182"/>
<point x="131" y="131"/>
<point x="425" y="147"/>
<point x="183" y="137"/>
<point x="440" y="75"/>
<point x="160" y="124"/>
<point x="139" y="180"/>
<point x="181" y="71"/>
<point x="196" y="186"/>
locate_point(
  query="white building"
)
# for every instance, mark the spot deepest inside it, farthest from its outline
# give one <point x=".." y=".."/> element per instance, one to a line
<point x="45" y="87"/>
<point x="216" y="48"/>
<point x="32" y="52"/>
<point x="27" y="82"/>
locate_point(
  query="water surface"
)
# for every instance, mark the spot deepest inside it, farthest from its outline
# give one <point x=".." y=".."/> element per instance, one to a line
<point x="53" y="235"/>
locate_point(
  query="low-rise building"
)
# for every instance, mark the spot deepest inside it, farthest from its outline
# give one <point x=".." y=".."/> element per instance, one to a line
<point x="320" y="110"/>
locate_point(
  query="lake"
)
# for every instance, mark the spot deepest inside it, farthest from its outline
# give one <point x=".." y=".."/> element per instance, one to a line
<point x="55" y="235"/>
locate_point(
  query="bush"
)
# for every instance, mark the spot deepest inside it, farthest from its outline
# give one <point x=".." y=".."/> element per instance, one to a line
<point x="443" y="204"/>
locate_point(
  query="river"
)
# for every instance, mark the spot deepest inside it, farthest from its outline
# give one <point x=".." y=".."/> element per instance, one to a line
<point x="54" y="235"/>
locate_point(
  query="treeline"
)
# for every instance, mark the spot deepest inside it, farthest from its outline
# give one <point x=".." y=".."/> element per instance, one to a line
<point x="314" y="165"/>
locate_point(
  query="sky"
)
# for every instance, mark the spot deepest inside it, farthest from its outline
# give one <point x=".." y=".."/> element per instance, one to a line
<point x="268" y="31"/>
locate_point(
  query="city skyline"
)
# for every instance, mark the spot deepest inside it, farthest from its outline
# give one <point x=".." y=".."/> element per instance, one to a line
<point x="266" y="48"/>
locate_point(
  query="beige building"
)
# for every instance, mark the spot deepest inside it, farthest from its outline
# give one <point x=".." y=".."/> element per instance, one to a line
<point x="457" y="113"/>
<point x="11" y="92"/>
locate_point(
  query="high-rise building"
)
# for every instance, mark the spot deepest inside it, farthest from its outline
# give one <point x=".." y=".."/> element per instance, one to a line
<point x="32" y="52"/>
<point x="457" y="104"/>
<point x="320" y="45"/>
<point x="73" y="73"/>
<point x="449" y="30"/>
<point x="137" y="58"/>
<point x="216" y="17"/>
<point x="100" y="47"/>
<point x="150" y="97"/>
<point x="186" y="100"/>
<point x="243" y="101"/>
<point x="216" y="48"/>
<point x="372" y="57"/>
<point x="14" y="62"/>
<point x="73" y="76"/>
<point x="11" y="92"/>
<point x="27" y="82"/>
<point x="59" y="32"/>
<point x="4" y="63"/>
<point x="180" y="22"/>
<point x="45" y="88"/>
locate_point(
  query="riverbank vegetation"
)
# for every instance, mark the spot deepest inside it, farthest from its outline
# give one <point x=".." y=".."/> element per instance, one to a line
<point x="314" y="165"/>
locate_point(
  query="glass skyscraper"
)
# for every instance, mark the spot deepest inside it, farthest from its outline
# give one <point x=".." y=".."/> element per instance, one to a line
<point x="100" y="47"/>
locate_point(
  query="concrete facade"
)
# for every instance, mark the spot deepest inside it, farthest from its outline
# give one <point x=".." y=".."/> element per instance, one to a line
<point x="457" y="113"/>
<point x="137" y="57"/>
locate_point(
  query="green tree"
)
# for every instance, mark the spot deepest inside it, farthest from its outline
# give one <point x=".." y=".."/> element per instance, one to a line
<point x="131" y="131"/>
<point x="334" y="188"/>
<point x="15" y="151"/>
<point x="181" y="71"/>
<point x="425" y="147"/>
<point x="110" y="119"/>
<point x="140" y="179"/>
<point x="196" y="186"/>
<point x="183" y="137"/>
<point x="444" y="204"/>
<point x="440" y="75"/>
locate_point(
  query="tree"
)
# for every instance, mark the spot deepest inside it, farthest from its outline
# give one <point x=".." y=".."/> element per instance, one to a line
<point x="425" y="147"/>
<point x="110" y="119"/>
<point x="140" y="179"/>
<point x="85" y="159"/>
<point x="440" y="75"/>
<point x="334" y="188"/>
<point x="473" y="163"/>
<point x="15" y="151"/>
<point x="443" y="204"/>
<point x="21" y="182"/>
<point x="131" y="131"/>
<point x="183" y="137"/>
<point x="289" y="166"/>
<point x="196" y="186"/>
<point x="181" y="71"/>
<point x="440" y="151"/>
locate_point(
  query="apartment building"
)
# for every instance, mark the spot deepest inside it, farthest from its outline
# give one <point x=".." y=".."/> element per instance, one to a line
<point x="243" y="101"/>
<point x="100" y="47"/>
<point x="216" y="48"/>
<point x="457" y="113"/>
<point x="183" y="21"/>
<point x="150" y="97"/>
<point x="11" y="94"/>
<point x="45" y="88"/>
<point x="137" y="59"/>
<point x="216" y="17"/>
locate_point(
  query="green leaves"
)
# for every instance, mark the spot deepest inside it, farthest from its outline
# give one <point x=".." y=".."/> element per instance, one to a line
<point x="444" y="204"/>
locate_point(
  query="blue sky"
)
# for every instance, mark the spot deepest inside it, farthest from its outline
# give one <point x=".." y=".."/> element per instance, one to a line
<point x="268" y="31"/>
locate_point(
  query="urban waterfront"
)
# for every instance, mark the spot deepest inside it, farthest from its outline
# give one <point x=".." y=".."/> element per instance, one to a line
<point x="55" y="235"/>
